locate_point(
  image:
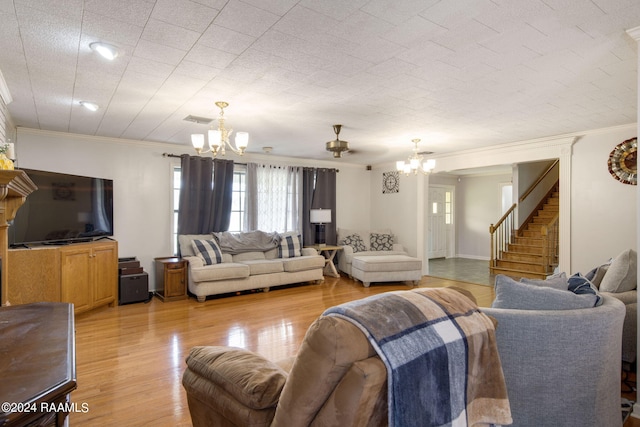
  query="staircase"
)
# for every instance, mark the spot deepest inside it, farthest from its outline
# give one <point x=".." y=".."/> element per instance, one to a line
<point x="532" y="250"/>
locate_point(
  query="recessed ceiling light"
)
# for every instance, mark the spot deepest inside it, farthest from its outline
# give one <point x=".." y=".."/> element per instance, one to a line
<point x="90" y="105"/>
<point x="106" y="50"/>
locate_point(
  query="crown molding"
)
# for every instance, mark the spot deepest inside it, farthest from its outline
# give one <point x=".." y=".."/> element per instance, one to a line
<point x="634" y="33"/>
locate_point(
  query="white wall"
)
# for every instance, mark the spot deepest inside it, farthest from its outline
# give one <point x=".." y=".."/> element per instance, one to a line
<point x="604" y="211"/>
<point x="142" y="184"/>
<point x="396" y="211"/>
<point x="478" y="204"/>
<point x="600" y="212"/>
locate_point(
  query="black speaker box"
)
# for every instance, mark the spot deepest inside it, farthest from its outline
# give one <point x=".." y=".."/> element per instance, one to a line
<point x="133" y="288"/>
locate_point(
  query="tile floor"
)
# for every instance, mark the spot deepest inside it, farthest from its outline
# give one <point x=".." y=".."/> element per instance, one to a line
<point x="462" y="269"/>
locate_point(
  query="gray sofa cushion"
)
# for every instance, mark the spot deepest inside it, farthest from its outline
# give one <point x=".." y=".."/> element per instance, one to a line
<point x="557" y="281"/>
<point x="264" y="266"/>
<point x="303" y="263"/>
<point x="621" y="275"/>
<point x="522" y="296"/>
<point x="248" y="256"/>
<point x="223" y="271"/>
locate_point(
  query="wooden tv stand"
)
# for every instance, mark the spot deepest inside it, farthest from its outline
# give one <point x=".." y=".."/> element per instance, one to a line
<point x="84" y="274"/>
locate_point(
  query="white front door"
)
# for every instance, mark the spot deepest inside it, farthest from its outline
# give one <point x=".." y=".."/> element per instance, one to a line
<point x="440" y="221"/>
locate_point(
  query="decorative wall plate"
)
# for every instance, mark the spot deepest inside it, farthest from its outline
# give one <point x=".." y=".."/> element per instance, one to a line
<point x="623" y="162"/>
<point x="390" y="182"/>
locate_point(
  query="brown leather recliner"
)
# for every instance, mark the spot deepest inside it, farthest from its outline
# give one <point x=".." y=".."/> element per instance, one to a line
<point x="336" y="379"/>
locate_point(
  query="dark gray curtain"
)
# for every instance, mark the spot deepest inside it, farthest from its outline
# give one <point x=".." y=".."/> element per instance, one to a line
<point x="195" y="209"/>
<point x="222" y="194"/>
<point x="205" y="195"/>
<point x="319" y="191"/>
<point x="324" y="196"/>
<point x="308" y="183"/>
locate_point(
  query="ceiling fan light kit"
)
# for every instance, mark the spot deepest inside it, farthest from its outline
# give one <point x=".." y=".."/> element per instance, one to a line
<point x="415" y="162"/>
<point x="219" y="138"/>
<point x="105" y="50"/>
<point x="337" y="147"/>
<point x="91" y="106"/>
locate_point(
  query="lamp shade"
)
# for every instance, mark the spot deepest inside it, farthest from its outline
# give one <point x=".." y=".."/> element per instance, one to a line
<point x="197" y="139"/>
<point x="242" y="140"/>
<point x="320" y="216"/>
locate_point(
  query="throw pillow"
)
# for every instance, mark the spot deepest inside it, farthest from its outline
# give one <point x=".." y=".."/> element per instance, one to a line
<point x="595" y="276"/>
<point x="207" y="250"/>
<point x="621" y="275"/>
<point x="290" y="245"/>
<point x="381" y="242"/>
<point x="557" y="281"/>
<point x="355" y="241"/>
<point x="522" y="296"/>
<point x="580" y="285"/>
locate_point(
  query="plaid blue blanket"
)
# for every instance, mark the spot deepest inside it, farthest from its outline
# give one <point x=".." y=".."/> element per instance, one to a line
<point x="441" y="357"/>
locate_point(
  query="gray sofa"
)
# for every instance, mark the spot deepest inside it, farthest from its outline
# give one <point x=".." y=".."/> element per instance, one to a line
<point x="618" y="278"/>
<point x="258" y="269"/>
<point x="562" y="367"/>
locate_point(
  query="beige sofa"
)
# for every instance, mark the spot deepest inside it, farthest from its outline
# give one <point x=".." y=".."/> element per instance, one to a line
<point x="260" y="269"/>
<point x="350" y="249"/>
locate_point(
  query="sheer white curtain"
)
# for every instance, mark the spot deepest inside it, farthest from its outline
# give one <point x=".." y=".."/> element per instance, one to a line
<point x="273" y="198"/>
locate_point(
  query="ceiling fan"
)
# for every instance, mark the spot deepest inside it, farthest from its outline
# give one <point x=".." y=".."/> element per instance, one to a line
<point x="337" y="147"/>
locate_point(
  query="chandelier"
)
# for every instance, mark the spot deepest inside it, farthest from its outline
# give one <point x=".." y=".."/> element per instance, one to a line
<point x="415" y="162"/>
<point x="219" y="138"/>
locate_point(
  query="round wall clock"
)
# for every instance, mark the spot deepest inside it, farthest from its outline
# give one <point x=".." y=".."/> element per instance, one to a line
<point x="623" y="162"/>
<point x="390" y="182"/>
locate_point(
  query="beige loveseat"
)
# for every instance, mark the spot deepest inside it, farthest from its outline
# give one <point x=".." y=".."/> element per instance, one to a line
<point x="359" y="243"/>
<point x="258" y="269"/>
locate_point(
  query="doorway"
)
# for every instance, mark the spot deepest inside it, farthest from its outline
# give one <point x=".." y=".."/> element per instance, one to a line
<point x="441" y="235"/>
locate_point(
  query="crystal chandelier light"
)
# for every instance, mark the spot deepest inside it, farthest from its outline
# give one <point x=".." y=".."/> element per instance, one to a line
<point x="218" y="139"/>
<point x="415" y="162"/>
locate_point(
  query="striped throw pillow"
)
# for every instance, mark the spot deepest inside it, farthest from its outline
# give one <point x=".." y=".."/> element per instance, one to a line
<point x="290" y="245"/>
<point x="208" y="251"/>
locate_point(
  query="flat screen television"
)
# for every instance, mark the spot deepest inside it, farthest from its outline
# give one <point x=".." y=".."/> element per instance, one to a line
<point x="64" y="209"/>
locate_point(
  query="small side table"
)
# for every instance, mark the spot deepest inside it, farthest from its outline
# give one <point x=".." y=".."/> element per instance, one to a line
<point x="329" y="252"/>
<point x="171" y="278"/>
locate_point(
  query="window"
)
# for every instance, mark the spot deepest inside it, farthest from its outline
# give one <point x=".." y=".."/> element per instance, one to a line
<point x="237" y="201"/>
<point x="447" y="207"/>
<point x="176" y="204"/>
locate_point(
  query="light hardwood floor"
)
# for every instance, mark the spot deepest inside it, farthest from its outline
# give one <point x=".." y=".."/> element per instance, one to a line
<point x="130" y="358"/>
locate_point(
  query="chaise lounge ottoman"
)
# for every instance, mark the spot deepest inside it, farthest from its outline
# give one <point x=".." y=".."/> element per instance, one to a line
<point x="386" y="268"/>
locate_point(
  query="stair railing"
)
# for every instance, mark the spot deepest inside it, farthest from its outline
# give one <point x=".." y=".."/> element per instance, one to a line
<point x="538" y="181"/>
<point x="550" y="244"/>
<point x="501" y="235"/>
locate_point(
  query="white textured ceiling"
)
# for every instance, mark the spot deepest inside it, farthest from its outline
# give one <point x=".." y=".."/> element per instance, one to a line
<point x="458" y="74"/>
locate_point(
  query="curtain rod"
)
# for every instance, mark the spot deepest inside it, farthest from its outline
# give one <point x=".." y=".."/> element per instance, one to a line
<point x="179" y="156"/>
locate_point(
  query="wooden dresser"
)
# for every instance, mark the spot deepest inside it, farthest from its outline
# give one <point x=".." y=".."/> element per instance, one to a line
<point x="37" y="364"/>
<point x="84" y="274"/>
